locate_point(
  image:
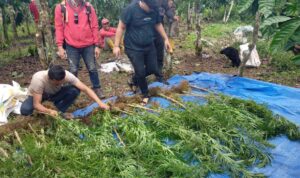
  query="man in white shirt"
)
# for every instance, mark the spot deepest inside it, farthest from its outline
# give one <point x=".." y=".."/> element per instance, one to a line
<point x="58" y="86"/>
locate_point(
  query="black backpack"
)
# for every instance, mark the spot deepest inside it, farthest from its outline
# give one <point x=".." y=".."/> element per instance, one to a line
<point x="64" y="10"/>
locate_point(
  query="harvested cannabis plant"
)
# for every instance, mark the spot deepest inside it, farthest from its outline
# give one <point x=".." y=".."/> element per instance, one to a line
<point x="224" y="136"/>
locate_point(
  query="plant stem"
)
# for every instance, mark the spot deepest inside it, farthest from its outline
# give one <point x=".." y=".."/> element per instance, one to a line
<point x="199" y="88"/>
<point x="18" y="137"/>
<point x="119" y="137"/>
<point x="123" y="111"/>
<point x="142" y="107"/>
<point x="34" y="132"/>
<point x="172" y="99"/>
<point x="194" y="94"/>
<point x="4" y="153"/>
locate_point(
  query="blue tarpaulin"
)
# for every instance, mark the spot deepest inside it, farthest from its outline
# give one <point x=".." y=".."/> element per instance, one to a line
<point x="282" y="100"/>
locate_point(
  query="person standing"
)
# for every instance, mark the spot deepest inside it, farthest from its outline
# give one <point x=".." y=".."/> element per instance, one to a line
<point x="172" y="20"/>
<point x="140" y="19"/>
<point x="165" y="9"/>
<point x="76" y="28"/>
<point x="34" y="11"/>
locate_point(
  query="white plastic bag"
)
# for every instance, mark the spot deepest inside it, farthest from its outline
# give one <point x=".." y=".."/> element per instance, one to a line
<point x="118" y="66"/>
<point x="11" y="97"/>
<point x="109" y="67"/>
<point x="254" y="60"/>
<point x="241" y="32"/>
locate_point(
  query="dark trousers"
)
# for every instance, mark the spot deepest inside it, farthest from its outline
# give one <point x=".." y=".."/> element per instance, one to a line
<point x="144" y="64"/>
<point x="160" y="47"/>
<point x="62" y="100"/>
<point x="88" y="54"/>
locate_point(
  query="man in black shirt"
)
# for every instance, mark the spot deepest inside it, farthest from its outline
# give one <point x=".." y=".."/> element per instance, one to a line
<point x="141" y="21"/>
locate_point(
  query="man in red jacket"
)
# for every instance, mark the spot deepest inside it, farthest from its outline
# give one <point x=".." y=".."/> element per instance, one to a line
<point x="76" y="26"/>
<point x="107" y="35"/>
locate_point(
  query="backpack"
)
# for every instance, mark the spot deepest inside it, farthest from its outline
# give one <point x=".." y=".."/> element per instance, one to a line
<point x="65" y="14"/>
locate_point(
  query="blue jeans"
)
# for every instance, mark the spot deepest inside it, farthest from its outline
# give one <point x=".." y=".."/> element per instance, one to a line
<point x="88" y="55"/>
<point x="62" y="100"/>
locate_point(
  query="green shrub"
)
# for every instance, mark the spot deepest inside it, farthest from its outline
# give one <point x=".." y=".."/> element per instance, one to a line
<point x="219" y="30"/>
<point x="207" y="14"/>
<point x="282" y="61"/>
<point x="32" y="51"/>
<point x="262" y="47"/>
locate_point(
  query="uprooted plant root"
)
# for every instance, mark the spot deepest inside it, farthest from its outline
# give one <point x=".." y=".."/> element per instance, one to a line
<point x="22" y="124"/>
<point x="118" y="106"/>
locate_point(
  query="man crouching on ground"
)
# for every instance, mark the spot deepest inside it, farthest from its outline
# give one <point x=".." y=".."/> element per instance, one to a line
<point x="58" y="86"/>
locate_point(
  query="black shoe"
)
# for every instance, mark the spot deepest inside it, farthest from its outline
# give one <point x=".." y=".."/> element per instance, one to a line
<point x="132" y="86"/>
<point x="161" y="80"/>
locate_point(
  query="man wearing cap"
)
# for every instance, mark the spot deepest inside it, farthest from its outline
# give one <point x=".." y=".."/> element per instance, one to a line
<point x="107" y="35"/>
<point x="76" y="25"/>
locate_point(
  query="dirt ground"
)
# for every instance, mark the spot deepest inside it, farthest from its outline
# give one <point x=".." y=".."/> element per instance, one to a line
<point x="115" y="83"/>
<point x="185" y="62"/>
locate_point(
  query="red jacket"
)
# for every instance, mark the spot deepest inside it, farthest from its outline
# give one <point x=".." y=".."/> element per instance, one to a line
<point x="106" y="33"/>
<point x="78" y="35"/>
<point x="34" y="11"/>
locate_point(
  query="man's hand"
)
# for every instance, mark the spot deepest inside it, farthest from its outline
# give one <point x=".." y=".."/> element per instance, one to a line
<point x="97" y="52"/>
<point x="53" y="113"/>
<point x="104" y="106"/>
<point x="62" y="53"/>
<point x="176" y="18"/>
<point x="117" y="51"/>
<point x="168" y="46"/>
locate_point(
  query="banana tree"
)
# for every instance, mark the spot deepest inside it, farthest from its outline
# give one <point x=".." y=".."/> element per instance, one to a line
<point x="282" y="18"/>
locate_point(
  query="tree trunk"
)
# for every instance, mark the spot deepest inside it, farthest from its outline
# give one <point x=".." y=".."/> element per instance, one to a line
<point x="2" y="34"/>
<point x="229" y="12"/>
<point x="198" y="42"/>
<point x="27" y="26"/>
<point x="12" y="15"/>
<point x="26" y="17"/>
<point x="44" y="38"/>
<point x="4" y="25"/>
<point x="224" y="16"/>
<point x="251" y="46"/>
<point x="189" y="17"/>
<point x="193" y="16"/>
<point x="197" y="8"/>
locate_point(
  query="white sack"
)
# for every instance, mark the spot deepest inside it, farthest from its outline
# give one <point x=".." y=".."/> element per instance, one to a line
<point x="254" y="60"/>
<point x="240" y="33"/>
<point x="11" y="97"/>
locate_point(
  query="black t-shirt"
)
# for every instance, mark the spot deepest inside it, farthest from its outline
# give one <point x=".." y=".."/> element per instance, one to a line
<point x="140" y="27"/>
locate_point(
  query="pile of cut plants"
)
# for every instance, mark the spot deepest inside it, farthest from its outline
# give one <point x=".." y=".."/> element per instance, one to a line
<point x="226" y="135"/>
